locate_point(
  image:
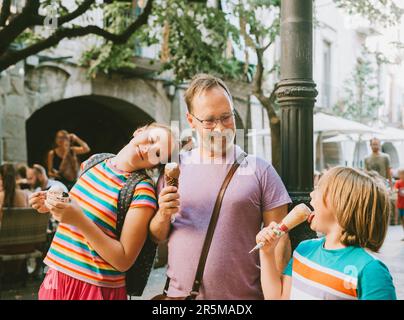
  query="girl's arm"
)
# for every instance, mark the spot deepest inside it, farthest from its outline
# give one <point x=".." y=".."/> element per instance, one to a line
<point x="83" y="146"/>
<point x="52" y="173"/>
<point x="122" y="253"/>
<point x="168" y="206"/>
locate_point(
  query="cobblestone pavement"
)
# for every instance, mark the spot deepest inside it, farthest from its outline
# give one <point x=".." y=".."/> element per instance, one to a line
<point x="392" y="253"/>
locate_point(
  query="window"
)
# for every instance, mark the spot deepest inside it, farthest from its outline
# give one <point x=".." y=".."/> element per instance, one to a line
<point x="326" y="85"/>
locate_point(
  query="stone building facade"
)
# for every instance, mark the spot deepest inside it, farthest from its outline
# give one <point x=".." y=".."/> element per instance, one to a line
<point x="37" y="101"/>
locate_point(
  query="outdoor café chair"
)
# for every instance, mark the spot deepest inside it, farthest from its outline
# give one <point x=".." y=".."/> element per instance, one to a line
<point x="22" y="236"/>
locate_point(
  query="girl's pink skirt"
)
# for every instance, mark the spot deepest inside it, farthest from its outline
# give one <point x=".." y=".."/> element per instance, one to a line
<point x="60" y="286"/>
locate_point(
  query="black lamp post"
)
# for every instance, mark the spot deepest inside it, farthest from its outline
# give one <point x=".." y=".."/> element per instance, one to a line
<point x="296" y="93"/>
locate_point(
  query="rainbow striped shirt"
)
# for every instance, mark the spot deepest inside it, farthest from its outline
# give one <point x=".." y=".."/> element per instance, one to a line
<point x="97" y="194"/>
<point x="351" y="273"/>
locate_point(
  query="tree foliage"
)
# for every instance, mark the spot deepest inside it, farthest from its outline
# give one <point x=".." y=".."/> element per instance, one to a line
<point x="25" y="33"/>
<point x="383" y="12"/>
<point x="362" y="98"/>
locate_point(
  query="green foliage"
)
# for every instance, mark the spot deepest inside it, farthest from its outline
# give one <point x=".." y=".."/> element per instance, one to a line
<point x="384" y="12"/>
<point x="198" y="37"/>
<point x="27" y="38"/>
<point x="108" y="56"/>
<point x="361" y="101"/>
<point x="259" y="31"/>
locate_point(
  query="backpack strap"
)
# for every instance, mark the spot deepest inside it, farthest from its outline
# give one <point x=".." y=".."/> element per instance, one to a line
<point x="125" y="194"/>
<point x="125" y="197"/>
<point x="94" y="160"/>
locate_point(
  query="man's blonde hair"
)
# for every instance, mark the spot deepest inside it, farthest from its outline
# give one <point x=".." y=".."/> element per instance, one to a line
<point x="361" y="205"/>
<point x="200" y="83"/>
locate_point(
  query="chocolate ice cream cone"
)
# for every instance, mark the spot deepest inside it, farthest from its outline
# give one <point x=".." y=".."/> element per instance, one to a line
<point x="172" y="174"/>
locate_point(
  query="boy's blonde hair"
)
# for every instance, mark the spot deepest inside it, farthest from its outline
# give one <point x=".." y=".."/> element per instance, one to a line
<point x="199" y="84"/>
<point x="361" y="205"/>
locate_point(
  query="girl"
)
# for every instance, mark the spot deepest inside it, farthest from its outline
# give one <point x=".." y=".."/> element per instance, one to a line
<point x="63" y="164"/>
<point x="351" y="209"/>
<point x="86" y="260"/>
<point x="11" y="195"/>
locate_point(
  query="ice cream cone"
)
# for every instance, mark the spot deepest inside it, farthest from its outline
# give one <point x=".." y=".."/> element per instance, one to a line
<point x="172" y="174"/>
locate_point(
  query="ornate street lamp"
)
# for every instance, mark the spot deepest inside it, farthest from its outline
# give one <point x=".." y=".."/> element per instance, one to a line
<point x="296" y="93"/>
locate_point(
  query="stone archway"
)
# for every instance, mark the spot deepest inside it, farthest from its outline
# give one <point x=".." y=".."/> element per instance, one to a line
<point x="391" y="150"/>
<point x="105" y="123"/>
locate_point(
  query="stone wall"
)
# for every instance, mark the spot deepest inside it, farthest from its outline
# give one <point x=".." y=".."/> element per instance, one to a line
<point x="25" y="91"/>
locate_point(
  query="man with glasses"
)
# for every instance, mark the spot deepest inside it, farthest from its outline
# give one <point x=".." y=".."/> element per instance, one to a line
<point x="255" y="196"/>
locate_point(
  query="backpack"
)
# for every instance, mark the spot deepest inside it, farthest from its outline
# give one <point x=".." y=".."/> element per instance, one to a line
<point x="138" y="274"/>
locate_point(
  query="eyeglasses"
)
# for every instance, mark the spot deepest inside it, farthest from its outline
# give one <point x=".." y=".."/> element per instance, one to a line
<point x="226" y="120"/>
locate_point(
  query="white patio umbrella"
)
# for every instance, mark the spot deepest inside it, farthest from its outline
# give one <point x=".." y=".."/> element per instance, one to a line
<point x="384" y="134"/>
<point x="325" y="125"/>
<point x="391" y="134"/>
<point x="331" y="125"/>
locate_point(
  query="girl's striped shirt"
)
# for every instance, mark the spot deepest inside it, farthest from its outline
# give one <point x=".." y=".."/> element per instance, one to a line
<point x="97" y="194"/>
<point x="351" y="273"/>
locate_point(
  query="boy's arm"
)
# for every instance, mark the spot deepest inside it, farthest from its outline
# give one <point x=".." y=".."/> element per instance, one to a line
<point x="274" y="285"/>
<point x="283" y="249"/>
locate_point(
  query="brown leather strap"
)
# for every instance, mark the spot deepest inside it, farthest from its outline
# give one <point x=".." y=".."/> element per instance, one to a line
<point x="211" y="229"/>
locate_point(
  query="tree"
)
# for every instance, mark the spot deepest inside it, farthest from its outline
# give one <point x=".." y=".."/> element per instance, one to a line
<point x="362" y="96"/>
<point x="194" y="38"/>
<point x="21" y="34"/>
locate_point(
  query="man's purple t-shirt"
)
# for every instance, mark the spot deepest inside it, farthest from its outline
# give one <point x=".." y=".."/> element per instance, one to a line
<point x="230" y="272"/>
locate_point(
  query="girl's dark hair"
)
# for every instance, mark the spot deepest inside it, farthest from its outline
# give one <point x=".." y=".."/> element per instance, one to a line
<point x="64" y="132"/>
<point x="8" y="176"/>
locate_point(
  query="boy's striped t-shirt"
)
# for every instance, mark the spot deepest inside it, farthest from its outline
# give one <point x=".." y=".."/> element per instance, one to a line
<point x="97" y="194"/>
<point x="351" y="273"/>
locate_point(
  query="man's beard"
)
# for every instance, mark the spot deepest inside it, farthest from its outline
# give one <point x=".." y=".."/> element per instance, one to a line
<point x="217" y="143"/>
<point x="37" y="184"/>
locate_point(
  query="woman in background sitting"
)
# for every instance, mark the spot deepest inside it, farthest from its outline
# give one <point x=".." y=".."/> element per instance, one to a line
<point x="10" y="193"/>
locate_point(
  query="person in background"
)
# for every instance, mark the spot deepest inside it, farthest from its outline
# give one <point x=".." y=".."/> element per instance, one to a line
<point x="379" y="161"/>
<point x="63" y="164"/>
<point x="399" y="188"/>
<point x="11" y="196"/>
<point x="38" y="179"/>
<point x="22" y="176"/>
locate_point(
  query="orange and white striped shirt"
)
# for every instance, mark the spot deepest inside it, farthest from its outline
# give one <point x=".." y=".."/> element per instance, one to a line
<point x="350" y="273"/>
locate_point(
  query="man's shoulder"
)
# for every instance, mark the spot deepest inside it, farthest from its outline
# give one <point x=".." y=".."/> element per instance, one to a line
<point x="52" y="182"/>
<point x="385" y="155"/>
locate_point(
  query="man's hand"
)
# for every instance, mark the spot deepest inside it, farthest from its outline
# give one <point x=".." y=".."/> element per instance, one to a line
<point x="169" y="203"/>
<point x="37" y="201"/>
